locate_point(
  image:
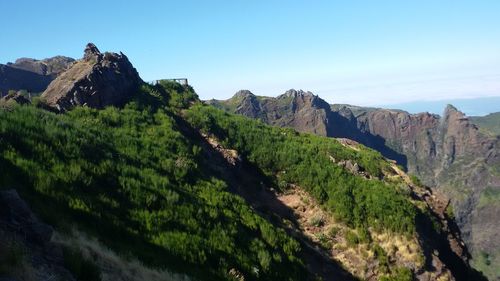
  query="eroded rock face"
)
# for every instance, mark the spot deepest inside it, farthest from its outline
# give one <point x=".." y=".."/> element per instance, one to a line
<point x="447" y="152"/>
<point x="98" y="80"/>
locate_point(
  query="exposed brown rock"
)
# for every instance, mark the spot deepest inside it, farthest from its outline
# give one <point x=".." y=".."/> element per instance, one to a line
<point x="297" y="109"/>
<point x="97" y="81"/>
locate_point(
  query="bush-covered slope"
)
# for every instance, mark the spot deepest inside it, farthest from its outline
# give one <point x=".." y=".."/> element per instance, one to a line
<point x="138" y="179"/>
<point x="304" y="159"/>
<point x="131" y="178"/>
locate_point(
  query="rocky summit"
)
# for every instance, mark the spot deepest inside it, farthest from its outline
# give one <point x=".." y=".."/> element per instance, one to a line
<point x="97" y="80"/>
<point x="446" y="152"/>
<point x="295" y="108"/>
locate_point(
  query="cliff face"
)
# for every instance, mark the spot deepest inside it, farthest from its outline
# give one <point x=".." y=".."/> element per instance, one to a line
<point x="30" y="74"/>
<point x="97" y="80"/>
<point x="449" y="153"/>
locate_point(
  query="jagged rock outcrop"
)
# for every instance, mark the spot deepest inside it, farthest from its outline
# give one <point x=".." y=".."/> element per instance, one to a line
<point x="21" y="229"/>
<point x="98" y="80"/>
<point x="30" y="74"/>
<point x="298" y="109"/>
<point x="447" y="152"/>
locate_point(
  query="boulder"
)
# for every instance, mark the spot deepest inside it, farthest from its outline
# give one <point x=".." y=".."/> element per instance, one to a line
<point x="98" y="80"/>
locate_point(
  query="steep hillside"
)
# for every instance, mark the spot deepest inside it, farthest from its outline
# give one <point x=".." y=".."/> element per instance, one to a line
<point x="180" y="195"/>
<point x="447" y="152"/>
<point x="490" y="122"/>
<point x="30" y="74"/>
<point x="135" y="181"/>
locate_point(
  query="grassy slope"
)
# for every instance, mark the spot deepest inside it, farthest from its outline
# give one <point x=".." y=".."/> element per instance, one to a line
<point x="132" y="178"/>
<point x="304" y="159"/>
<point x="490" y="122"/>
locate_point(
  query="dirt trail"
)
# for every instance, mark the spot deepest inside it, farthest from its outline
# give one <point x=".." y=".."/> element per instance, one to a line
<point x="247" y="181"/>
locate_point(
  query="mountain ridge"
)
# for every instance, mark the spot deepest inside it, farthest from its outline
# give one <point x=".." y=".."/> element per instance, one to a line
<point x="31" y="74"/>
<point x="446" y="151"/>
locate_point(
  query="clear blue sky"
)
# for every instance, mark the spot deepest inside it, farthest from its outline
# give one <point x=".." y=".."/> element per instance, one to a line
<point x="359" y="52"/>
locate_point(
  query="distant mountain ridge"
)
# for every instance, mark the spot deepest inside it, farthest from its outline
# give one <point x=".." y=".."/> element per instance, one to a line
<point x="448" y="152"/>
<point x="31" y="74"/>
<point x="490" y="122"/>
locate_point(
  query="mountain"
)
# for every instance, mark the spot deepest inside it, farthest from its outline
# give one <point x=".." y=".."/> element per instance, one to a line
<point x="448" y="153"/>
<point x="490" y="122"/>
<point x="155" y="185"/>
<point x="30" y="74"/>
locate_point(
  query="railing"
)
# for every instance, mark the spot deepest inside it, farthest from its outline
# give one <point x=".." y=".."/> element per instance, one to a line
<point x="182" y="81"/>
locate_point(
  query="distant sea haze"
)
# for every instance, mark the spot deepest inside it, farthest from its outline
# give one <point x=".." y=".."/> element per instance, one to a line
<point x="471" y="107"/>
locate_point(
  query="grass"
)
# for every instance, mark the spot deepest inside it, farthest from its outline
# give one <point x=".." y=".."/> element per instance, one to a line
<point x="117" y="266"/>
<point x="490" y="122"/>
<point x="489" y="196"/>
<point x="488" y="264"/>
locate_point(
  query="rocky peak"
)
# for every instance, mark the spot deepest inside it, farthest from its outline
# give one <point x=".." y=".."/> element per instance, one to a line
<point x="98" y="80"/>
<point x="241" y="94"/>
<point x="294" y="93"/>
<point x="92" y="53"/>
<point x="451" y="112"/>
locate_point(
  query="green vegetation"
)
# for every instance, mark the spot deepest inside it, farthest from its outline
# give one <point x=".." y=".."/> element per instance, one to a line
<point x="138" y="180"/>
<point x="488" y="264"/>
<point x="351" y="238"/>
<point x="135" y="180"/>
<point x="490" y="122"/>
<point x="489" y="196"/>
<point x="399" y="274"/>
<point x="382" y="258"/>
<point x="449" y="211"/>
<point x="303" y="159"/>
<point x="415" y="180"/>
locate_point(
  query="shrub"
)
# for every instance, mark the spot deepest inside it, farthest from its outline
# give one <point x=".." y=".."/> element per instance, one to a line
<point x="399" y="274"/>
<point x="382" y="258"/>
<point x="317" y="221"/>
<point x="415" y="180"/>
<point x="351" y="238"/>
<point x="334" y="231"/>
